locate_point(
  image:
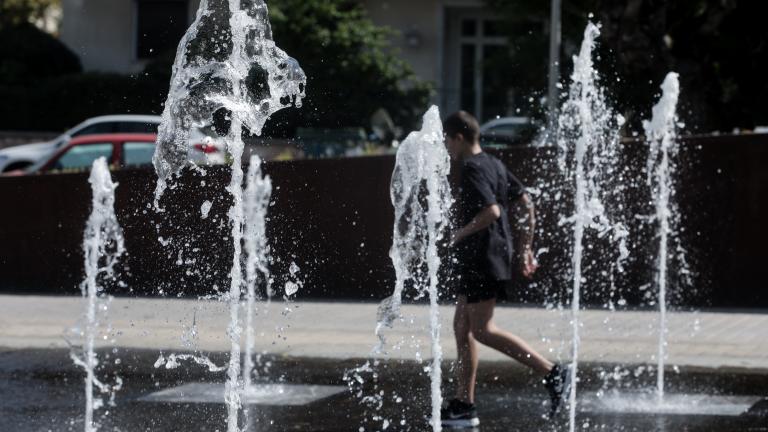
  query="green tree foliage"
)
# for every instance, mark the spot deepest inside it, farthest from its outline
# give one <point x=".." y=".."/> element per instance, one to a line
<point x="58" y="103"/>
<point x="351" y="68"/>
<point x="42" y="85"/>
<point x="13" y="12"/>
<point x="352" y="71"/>
<point x="28" y="55"/>
<point x="719" y="47"/>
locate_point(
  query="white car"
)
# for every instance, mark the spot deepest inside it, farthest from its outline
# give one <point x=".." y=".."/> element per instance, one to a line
<point x="22" y="156"/>
<point x="204" y="149"/>
<point x="509" y="130"/>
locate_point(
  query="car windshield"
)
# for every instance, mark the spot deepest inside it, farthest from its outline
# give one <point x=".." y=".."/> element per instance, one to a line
<point x="37" y="166"/>
<point x="81" y="157"/>
<point x="509" y="129"/>
<point x="138" y="153"/>
<point x="76" y="159"/>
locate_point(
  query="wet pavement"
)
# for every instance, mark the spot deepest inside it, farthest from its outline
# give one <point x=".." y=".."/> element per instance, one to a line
<point x="339" y="330"/>
<point x="40" y="390"/>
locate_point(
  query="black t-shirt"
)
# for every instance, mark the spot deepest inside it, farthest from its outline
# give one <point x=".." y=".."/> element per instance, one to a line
<point x="486" y="181"/>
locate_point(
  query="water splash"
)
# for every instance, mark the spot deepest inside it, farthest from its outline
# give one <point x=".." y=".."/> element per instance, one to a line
<point x="257" y="194"/>
<point x="587" y="139"/>
<point x="227" y="61"/>
<point x="421" y="197"/>
<point x="103" y="245"/>
<point x="661" y="133"/>
<point x="172" y="361"/>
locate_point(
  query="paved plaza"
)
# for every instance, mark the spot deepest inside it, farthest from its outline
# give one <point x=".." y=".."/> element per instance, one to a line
<point x="346" y="330"/>
<point x="307" y="348"/>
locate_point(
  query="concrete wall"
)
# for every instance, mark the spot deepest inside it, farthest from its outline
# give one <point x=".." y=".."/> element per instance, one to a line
<point x="103" y="33"/>
<point x="421" y="18"/>
<point x="427" y="20"/>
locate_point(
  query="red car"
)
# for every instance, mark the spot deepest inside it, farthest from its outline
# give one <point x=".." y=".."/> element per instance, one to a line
<point x="120" y="150"/>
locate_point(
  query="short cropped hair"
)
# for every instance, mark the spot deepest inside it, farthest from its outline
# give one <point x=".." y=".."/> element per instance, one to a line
<point x="462" y="123"/>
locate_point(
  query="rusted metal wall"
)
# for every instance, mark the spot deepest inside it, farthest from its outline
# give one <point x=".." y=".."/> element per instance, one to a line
<point x="333" y="218"/>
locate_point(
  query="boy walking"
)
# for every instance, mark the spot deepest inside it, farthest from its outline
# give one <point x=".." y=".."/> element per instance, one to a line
<point x="484" y="250"/>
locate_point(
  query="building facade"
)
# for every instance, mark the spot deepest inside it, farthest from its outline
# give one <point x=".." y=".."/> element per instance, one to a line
<point x="445" y="41"/>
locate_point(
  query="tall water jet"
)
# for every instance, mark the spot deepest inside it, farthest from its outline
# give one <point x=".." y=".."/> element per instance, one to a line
<point x="257" y="194"/>
<point x="228" y="61"/>
<point x="661" y="134"/>
<point x="587" y="139"/>
<point x="102" y="246"/>
<point x="421" y="196"/>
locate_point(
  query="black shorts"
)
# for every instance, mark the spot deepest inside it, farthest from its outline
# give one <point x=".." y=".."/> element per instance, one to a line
<point x="479" y="288"/>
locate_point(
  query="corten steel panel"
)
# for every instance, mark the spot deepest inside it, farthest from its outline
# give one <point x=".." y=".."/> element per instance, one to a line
<point x="333" y="218"/>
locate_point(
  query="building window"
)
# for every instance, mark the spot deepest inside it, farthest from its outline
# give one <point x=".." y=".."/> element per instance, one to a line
<point x="481" y="72"/>
<point x="160" y="26"/>
<point x="483" y="91"/>
<point x="472" y="78"/>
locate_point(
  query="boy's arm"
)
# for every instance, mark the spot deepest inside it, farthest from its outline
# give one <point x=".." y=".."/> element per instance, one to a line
<point x="524" y="213"/>
<point x="481" y="221"/>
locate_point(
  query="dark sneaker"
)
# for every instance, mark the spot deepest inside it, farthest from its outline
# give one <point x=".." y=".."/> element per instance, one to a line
<point x="558" y="382"/>
<point x="459" y="415"/>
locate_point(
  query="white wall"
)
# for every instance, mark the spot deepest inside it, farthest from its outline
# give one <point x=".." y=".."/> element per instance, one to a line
<point x="422" y="17"/>
<point x="103" y="33"/>
<point x="426" y="18"/>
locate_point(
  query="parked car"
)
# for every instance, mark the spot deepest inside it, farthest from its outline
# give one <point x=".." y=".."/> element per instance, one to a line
<point x="508" y="131"/>
<point x="120" y="150"/>
<point x="205" y="149"/>
<point x="22" y="156"/>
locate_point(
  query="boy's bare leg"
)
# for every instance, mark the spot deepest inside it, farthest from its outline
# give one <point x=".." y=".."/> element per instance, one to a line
<point x="466" y="347"/>
<point x="485" y="331"/>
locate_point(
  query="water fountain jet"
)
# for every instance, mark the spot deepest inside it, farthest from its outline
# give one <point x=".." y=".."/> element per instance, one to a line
<point x="103" y="245"/>
<point x="587" y="139"/>
<point x="229" y="42"/>
<point x="421" y="197"/>
<point x="661" y="135"/>
<point x="257" y="194"/>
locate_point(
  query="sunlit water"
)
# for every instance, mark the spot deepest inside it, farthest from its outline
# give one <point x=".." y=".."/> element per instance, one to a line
<point x="257" y="194"/>
<point x="587" y="139"/>
<point x="229" y="44"/>
<point x="636" y="402"/>
<point x="102" y="246"/>
<point x="661" y="134"/>
<point x="421" y="197"/>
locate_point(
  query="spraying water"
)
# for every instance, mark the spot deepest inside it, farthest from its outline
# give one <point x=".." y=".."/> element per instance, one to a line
<point x="587" y="138"/>
<point x="102" y="245"/>
<point x="421" y="196"/>
<point x="661" y="134"/>
<point x="257" y="194"/>
<point x="226" y="60"/>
